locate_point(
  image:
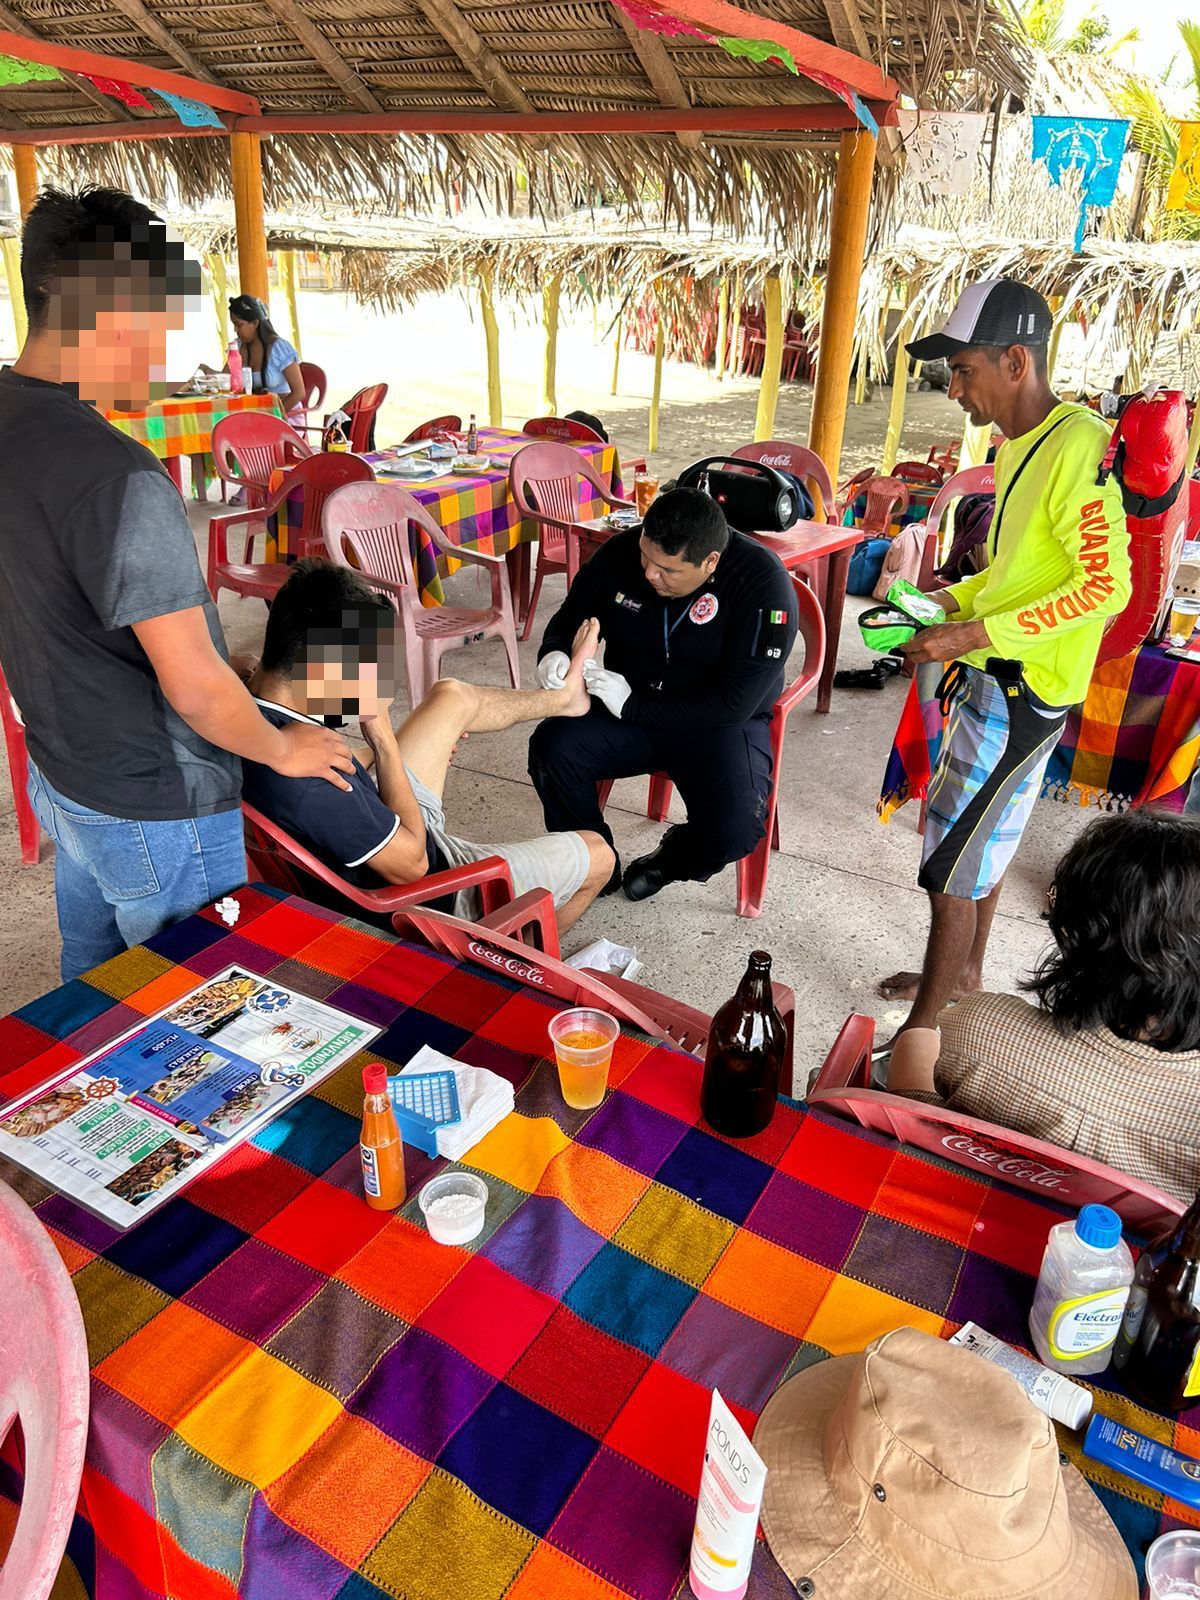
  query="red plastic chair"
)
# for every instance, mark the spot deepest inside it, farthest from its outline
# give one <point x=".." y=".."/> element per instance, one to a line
<point x="317" y="476"/>
<point x="919" y="472"/>
<point x="566" y="429"/>
<point x="435" y="425"/>
<point x="254" y="443"/>
<point x="29" y="832"/>
<point x="971" y="480"/>
<point x="802" y="463"/>
<point x="662" y="1017"/>
<point x="369" y="526"/>
<point x="544" y="482"/>
<point x="362" y="409"/>
<point x="752" y="869"/>
<point x="44" y="1385"/>
<point x="887" y="500"/>
<point x="316" y="385"/>
<point x="842" y="1088"/>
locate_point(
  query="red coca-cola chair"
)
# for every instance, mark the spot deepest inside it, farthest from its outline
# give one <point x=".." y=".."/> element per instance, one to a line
<point x="802" y="463"/>
<point x="362" y="409"/>
<point x="29" y="832"/>
<point x="842" y="1088"/>
<point x="972" y="480"/>
<point x="568" y="431"/>
<point x="316" y="384"/>
<point x="887" y="501"/>
<point x="656" y="1014"/>
<point x="435" y="425"/>
<point x="752" y="869"/>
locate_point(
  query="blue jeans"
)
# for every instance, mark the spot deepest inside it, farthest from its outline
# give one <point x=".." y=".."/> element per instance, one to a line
<point x="118" y="882"/>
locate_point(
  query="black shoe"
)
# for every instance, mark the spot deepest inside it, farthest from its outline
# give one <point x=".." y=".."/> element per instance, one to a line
<point x="614" y="882"/>
<point x="647" y="875"/>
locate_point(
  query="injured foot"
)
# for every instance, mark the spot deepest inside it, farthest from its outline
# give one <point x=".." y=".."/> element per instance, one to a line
<point x="575" y="696"/>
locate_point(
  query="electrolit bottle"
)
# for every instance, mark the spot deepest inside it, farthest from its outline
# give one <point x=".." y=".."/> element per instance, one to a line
<point x="747" y="1046"/>
<point x="380" y="1146"/>
<point x="235" y="367"/>
<point x="472" y="437"/>
<point x="1081" y="1293"/>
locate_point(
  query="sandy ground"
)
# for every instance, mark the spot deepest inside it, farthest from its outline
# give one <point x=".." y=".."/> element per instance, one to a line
<point x="842" y="905"/>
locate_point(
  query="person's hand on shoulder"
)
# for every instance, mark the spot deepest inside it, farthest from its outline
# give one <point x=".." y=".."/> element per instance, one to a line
<point x="312" y="752"/>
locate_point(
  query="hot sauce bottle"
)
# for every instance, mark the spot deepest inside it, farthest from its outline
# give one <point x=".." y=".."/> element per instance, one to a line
<point x="380" y="1147"/>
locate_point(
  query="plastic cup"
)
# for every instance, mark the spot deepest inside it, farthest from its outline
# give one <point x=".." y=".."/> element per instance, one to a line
<point x="645" y="487"/>
<point x="583" y="1042"/>
<point x="1173" y="1566"/>
<point x="458" y="1218"/>
<point x="1185" y="616"/>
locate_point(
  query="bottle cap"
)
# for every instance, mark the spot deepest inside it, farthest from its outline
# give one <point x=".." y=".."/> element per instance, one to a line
<point x="1070" y="1404"/>
<point x="375" y="1078"/>
<point x="1099" y="1226"/>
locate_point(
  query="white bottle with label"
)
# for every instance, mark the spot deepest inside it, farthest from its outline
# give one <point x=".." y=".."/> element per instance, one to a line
<point x="1081" y="1293"/>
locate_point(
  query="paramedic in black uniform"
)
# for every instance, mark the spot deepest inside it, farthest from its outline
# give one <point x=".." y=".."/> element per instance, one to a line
<point x="697" y="622"/>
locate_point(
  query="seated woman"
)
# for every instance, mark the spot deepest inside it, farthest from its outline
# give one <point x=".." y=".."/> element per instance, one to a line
<point x="1108" y="1061"/>
<point x="272" y="360"/>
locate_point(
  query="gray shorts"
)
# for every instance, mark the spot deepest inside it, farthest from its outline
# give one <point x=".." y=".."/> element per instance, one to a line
<point x="557" y="862"/>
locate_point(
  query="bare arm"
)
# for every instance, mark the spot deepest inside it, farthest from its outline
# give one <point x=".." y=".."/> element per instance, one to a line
<point x="212" y="700"/>
<point x="294" y="399"/>
<point x="404" y="857"/>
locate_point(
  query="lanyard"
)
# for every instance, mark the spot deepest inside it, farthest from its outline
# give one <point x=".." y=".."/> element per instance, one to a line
<point x="999" y="516"/>
<point x="668" y="631"/>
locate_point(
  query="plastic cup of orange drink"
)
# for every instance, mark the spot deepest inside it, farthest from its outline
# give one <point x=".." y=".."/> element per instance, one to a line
<point x="583" y="1042"/>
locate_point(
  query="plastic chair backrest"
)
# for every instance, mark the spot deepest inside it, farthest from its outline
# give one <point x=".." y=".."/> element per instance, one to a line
<point x="544" y="482"/>
<point x="256" y="443"/>
<point x="361" y="409"/>
<point x="435" y="425"/>
<point x="797" y="459"/>
<point x="564" y="428"/>
<point x="44" y="1384"/>
<point x="319" y="476"/>
<point x="918" y="472"/>
<point x="887" y="501"/>
<point x="278" y="859"/>
<point x="371" y="522"/>
<point x="971" y="480"/>
<point x="315" y="385"/>
<point x="1026" y="1163"/>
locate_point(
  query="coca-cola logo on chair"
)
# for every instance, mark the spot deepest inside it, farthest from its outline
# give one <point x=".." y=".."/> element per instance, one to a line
<point x="511" y="964"/>
<point x="1010" y="1164"/>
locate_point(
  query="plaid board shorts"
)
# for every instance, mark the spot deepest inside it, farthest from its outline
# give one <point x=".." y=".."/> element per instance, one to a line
<point x="988" y="774"/>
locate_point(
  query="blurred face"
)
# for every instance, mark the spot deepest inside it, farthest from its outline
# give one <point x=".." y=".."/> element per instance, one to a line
<point x="674" y="576"/>
<point x="350" y="671"/>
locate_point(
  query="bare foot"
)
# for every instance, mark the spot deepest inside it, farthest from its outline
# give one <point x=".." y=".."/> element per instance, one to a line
<point x="576" y="699"/>
<point x="900" y="986"/>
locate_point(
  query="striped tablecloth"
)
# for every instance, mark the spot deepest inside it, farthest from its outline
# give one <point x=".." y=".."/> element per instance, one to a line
<point x="297" y="1398"/>
<point x="183" y="427"/>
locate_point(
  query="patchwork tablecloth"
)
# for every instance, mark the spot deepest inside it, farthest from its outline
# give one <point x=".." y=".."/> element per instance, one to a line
<point x="183" y="427"/>
<point x="296" y="1398"/>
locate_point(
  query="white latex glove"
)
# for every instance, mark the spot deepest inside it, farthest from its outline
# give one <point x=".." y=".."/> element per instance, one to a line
<point x="552" y="669"/>
<point x="610" y="688"/>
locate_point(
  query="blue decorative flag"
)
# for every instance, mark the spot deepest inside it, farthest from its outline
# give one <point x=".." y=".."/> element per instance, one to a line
<point x="1093" y="146"/>
<point x="192" y="113"/>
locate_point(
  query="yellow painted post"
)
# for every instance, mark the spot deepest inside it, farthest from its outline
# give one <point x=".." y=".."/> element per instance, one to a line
<point x="617" y="348"/>
<point x="735" y="330"/>
<point x="245" y="151"/>
<point x="722" y="327"/>
<point x="847" y="243"/>
<point x="1055" y="337"/>
<point x="891" y="442"/>
<point x="768" y="389"/>
<point x="12" y="271"/>
<point x="25" y="167"/>
<point x="551" y="290"/>
<point x="287" y="268"/>
<point x="219" y="281"/>
<point x="660" y="340"/>
<point x="491" y="335"/>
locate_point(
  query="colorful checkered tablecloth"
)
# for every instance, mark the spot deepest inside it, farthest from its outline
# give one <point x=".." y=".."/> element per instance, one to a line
<point x="297" y="1398"/>
<point x="477" y="510"/>
<point x="183" y="427"/>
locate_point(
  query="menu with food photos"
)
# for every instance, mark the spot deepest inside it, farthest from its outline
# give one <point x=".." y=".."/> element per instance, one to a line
<point x="125" y="1129"/>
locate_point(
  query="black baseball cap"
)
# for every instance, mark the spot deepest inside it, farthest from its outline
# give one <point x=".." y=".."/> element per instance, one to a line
<point x="995" y="311"/>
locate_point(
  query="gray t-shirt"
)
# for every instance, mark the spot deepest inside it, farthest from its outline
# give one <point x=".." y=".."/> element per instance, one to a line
<point x="93" y="538"/>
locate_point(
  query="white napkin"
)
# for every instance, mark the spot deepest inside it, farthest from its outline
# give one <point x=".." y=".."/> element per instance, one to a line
<point x="602" y="955"/>
<point x="484" y="1099"/>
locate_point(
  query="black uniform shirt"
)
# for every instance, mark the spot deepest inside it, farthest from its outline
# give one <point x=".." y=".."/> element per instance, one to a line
<point x="712" y="659"/>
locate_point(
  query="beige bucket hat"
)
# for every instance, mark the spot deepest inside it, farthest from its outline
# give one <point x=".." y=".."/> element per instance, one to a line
<point x="917" y="1471"/>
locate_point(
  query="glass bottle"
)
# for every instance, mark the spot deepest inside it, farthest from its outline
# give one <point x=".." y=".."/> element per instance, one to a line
<point x="472" y="437"/>
<point x="1162" y="1364"/>
<point x="743" y="1065"/>
<point x="380" y="1147"/>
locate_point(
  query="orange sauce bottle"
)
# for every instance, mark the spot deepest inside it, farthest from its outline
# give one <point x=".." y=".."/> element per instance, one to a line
<point x="380" y="1147"/>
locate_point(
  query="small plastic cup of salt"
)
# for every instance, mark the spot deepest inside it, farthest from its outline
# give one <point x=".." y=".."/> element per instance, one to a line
<point x="454" y="1204"/>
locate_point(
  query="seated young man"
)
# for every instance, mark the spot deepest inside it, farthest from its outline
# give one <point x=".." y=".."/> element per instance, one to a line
<point x="1108" y="1062"/>
<point x="329" y="652"/>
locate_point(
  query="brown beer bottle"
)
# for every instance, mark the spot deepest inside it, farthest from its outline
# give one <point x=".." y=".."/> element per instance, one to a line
<point x="1159" y="1342"/>
<point x="747" y="1047"/>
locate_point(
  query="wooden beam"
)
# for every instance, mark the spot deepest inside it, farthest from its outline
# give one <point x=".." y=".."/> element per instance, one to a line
<point x="846" y="25"/>
<point x="491" y="335"/>
<point x="125" y="71"/>
<point x="551" y="290"/>
<point x="722" y="327"/>
<point x="492" y="76"/>
<point x="25" y="169"/>
<point x="246" y="156"/>
<point x="164" y="39"/>
<point x="319" y="47"/>
<point x="112" y="109"/>
<point x="659" y="69"/>
<point x="287" y="260"/>
<point x="656" y="391"/>
<point x="735" y="327"/>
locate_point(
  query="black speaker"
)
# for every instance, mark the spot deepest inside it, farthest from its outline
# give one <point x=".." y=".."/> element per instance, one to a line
<point x="755" y="498"/>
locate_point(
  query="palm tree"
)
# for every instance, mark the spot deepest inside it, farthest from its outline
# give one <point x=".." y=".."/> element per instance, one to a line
<point x="1156" y="135"/>
<point x="1045" y="23"/>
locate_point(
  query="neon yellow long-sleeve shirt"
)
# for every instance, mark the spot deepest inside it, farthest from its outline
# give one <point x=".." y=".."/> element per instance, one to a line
<point x="1059" y="557"/>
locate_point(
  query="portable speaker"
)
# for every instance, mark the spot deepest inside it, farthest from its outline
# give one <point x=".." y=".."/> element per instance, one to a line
<point x="755" y="498"/>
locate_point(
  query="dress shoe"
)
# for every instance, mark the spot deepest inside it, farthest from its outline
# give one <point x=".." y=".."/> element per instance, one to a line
<point x="647" y="875"/>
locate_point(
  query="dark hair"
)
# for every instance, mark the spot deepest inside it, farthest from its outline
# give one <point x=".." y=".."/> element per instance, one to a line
<point x="1125" y="915"/>
<point x="246" y="308"/>
<point x="687" y="522"/>
<point x="106" y="239"/>
<point x="1039" y="354"/>
<point x="320" y="599"/>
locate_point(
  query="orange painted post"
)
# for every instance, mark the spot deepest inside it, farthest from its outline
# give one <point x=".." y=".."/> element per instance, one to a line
<point x="245" y="151"/>
<point x="847" y="244"/>
<point x="26" y="169"/>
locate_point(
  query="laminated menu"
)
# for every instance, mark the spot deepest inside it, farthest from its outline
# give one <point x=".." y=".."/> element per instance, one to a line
<point x="125" y="1129"/>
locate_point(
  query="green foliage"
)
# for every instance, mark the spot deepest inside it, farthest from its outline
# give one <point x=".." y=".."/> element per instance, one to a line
<point x="1156" y="135"/>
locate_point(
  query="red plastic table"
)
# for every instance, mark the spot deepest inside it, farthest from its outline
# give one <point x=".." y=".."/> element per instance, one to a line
<point x="831" y="545"/>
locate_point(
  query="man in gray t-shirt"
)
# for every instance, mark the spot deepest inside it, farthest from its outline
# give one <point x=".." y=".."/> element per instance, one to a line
<point x="109" y="640"/>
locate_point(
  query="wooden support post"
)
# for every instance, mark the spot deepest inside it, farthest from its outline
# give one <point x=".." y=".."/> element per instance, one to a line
<point x="25" y="167"/>
<point x="660" y="340"/>
<point x="551" y="290"/>
<point x="491" y="335"/>
<point x="287" y="269"/>
<point x="735" y="331"/>
<point x="891" y="443"/>
<point x="722" y="327"/>
<point x="617" y="348"/>
<point x="245" y="151"/>
<point x="12" y="271"/>
<point x="848" y="237"/>
<point x="768" y="389"/>
<point x="219" y="280"/>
